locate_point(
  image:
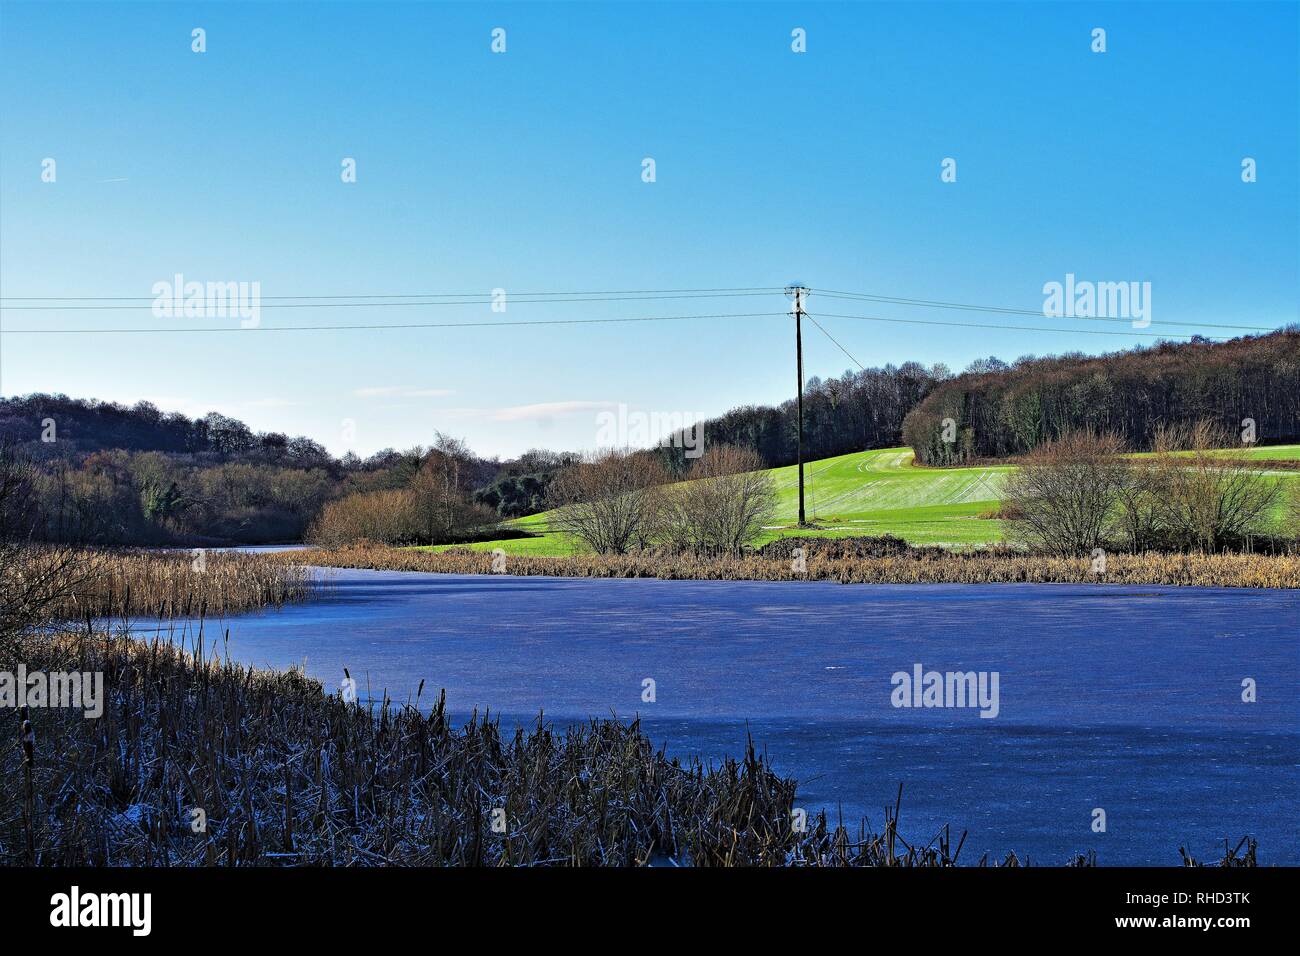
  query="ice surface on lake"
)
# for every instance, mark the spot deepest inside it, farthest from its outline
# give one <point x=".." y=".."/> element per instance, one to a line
<point x="1126" y="698"/>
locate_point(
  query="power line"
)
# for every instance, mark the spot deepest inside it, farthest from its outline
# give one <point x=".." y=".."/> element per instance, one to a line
<point x="833" y="339"/>
<point x="372" y="300"/>
<point x="510" y="300"/>
<point x="609" y="296"/>
<point x="395" y="295"/>
<point x="934" y="304"/>
<point x="1010" y="328"/>
<point x="902" y="300"/>
<point x="599" y="321"/>
<point x="415" y="325"/>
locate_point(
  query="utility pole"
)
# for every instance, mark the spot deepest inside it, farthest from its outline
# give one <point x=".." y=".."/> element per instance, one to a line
<point x="797" y="291"/>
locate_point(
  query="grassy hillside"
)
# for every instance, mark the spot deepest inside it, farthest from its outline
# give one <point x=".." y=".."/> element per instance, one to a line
<point x="872" y="492"/>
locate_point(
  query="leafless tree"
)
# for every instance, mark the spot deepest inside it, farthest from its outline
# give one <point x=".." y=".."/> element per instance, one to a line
<point x="442" y="488"/>
<point x="1138" y="503"/>
<point x="1211" y="495"/>
<point x="1063" y="499"/>
<point x="610" y="500"/>
<point x="723" y="504"/>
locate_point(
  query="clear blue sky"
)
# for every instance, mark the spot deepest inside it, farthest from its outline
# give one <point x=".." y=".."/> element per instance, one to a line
<point x="523" y="171"/>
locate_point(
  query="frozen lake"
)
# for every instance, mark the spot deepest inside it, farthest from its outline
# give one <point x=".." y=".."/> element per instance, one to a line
<point x="1123" y="698"/>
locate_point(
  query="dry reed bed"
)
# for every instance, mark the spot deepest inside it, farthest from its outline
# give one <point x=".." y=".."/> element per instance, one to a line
<point x="992" y="567"/>
<point x="179" y="584"/>
<point x="287" y="775"/>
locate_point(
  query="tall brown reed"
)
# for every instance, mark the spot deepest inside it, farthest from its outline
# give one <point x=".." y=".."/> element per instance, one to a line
<point x="285" y="774"/>
<point x="1003" y="566"/>
<point x="198" y="761"/>
<point x="181" y="584"/>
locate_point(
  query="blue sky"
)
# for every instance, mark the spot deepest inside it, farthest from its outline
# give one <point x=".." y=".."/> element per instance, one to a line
<point x="522" y="171"/>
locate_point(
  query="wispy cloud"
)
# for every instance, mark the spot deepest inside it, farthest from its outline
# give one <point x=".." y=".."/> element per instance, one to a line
<point x="529" y="413"/>
<point x="389" y="391"/>
<point x="270" y="403"/>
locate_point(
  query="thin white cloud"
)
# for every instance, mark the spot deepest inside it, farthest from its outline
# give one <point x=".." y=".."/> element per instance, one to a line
<point x="528" y="413"/>
<point x="387" y="391"/>
<point x="270" y="403"/>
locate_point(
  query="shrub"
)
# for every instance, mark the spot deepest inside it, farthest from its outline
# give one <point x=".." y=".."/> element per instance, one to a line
<point x="610" y="501"/>
<point x="1210" y="499"/>
<point x="386" y="517"/>
<point x="1064" y="498"/>
<point x="723" y="505"/>
<point x="857" y="546"/>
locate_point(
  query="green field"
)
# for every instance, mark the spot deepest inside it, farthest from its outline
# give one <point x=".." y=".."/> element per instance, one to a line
<point x="1276" y="452"/>
<point x="883" y="492"/>
<point x="1264" y="453"/>
<point x="870" y="493"/>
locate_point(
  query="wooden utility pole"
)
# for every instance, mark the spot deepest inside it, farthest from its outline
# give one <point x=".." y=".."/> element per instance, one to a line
<point x="797" y="291"/>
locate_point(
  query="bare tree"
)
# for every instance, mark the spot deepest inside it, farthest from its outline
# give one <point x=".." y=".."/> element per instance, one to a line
<point x="1063" y="499"/>
<point x="1138" y="503"/>
<point x="442" y="489"/>
<point x="609" y="501"/>
<point x="724" y="503"/>
<point x="1211" y="496"/>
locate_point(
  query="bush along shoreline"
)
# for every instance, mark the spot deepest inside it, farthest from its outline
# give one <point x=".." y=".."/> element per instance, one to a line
<point x="848" y="561"/>
<point x="198" y="761"/>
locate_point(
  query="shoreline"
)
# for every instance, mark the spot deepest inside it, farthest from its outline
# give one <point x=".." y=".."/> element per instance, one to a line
<point x="300" y="777"/>
<point x="1281" y="572"/>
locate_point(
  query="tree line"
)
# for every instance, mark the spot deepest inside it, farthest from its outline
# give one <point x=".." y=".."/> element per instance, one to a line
<point x="135" y="475"/>
<point x="59" y="425"/>
<point x="1249" y="387"/>
<point x="118" y="474"/>
<point x="104" y="473"/>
